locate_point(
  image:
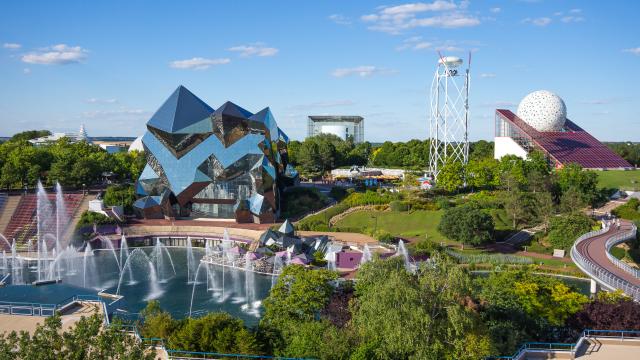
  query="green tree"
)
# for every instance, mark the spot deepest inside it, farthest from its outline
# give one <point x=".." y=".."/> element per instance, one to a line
<point x="565" y="229"/>
<point x="451" y="176"/>
<point x="521" y="306"/>
<point x="520" y="206"/>
<point x="467" y="224"/>
<point x="398" y="315"/>
<point x="481" y="150"/>
<point x="298" y="296"/>
<point x="87" y="339"/>
<point x="483" y="173"/>
<point x="120" y="195"/>
<point x="214" y="332"/>
<point x="157" y="323"/>
<point x="583" y="182"/>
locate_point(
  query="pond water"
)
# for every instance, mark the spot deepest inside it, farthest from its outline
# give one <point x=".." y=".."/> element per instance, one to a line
<point x="216" y="289"/>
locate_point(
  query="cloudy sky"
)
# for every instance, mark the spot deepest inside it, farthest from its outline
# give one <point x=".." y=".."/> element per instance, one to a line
<point x="111" y="64"/>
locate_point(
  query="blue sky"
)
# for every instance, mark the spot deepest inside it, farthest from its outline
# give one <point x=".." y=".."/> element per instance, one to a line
<point x="110" y="65"/>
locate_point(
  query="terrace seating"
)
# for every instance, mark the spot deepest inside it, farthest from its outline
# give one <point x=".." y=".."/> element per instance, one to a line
<point x="23" y="224"/>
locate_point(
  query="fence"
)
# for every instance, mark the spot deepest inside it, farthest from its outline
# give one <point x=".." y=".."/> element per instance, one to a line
<point x="615" y="240"/>
<point x="46" y="310"/>
<point x="599" y="273"/>
<point x="571" y="348"/>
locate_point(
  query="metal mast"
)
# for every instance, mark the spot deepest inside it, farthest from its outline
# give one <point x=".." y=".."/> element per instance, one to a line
<point x="449" y="120"/>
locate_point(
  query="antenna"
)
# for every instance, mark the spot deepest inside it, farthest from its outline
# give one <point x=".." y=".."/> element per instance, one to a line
<point x="449" y="118"/>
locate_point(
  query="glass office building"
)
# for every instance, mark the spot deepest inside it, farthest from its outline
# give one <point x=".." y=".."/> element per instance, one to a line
<point x="201" y="162"/>
<point x="340" y="125"/>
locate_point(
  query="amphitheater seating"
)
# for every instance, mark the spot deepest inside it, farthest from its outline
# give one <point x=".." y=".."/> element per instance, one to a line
<point x="23" y="223"/>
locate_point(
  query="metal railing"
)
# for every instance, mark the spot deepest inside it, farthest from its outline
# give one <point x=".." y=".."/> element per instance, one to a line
<point x="26" y="308"/>
<point x="617" y="239"/>
<point x="542" y="347"/>
<point x="598" y="272"/>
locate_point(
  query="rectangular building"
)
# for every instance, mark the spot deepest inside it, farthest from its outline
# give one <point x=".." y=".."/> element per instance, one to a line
<point x="339" y="125"/>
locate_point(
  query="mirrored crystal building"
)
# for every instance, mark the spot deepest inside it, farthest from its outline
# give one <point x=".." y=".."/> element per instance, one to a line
<point x="201" y="162"/>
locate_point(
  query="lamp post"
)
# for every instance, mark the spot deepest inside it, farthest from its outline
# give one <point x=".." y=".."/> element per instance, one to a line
<point x="375" y="229"/>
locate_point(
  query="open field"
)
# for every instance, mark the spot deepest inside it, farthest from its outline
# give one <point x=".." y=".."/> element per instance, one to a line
<point x="619" y="179"/>
<point x="404" y="224"/>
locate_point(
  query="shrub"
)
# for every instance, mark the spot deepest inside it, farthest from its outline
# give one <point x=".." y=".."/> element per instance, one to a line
<point x="629" y="211"/>
<point x="398" y="205"/>
<point x="467" y="224"/>
<point x="90" y="218"/>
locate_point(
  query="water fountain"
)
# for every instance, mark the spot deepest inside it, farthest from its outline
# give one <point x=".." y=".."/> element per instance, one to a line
<point x="154" y="282"/>
<point x="17" y="275"/>
<point x="191" y="261"/>
<point x="61" y="217"/>
<point x="87" y="253"/>
<point x="249" y="279"/>
<point x="157" y="257"/>
<point x="402" y="251"/>
<point x="331" y="261"/>
<point x="366" y="255"/>
<point x="111" y="249"/>
<point x="277" y="269"/>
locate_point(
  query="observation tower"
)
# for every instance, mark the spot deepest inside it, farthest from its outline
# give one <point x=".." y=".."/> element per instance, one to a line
<point x="449" y="118"/>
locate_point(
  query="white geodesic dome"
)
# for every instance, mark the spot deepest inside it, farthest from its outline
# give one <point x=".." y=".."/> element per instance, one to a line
<point x="543" y="110"/>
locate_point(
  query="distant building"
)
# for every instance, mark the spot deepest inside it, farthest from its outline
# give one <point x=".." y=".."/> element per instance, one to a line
<point x="81" y="135"/>
<point x="541" y="124"/>
<point x="339" y="125"/>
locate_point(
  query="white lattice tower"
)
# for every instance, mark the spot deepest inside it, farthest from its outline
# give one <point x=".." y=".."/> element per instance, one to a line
<point x="449" y="120"/>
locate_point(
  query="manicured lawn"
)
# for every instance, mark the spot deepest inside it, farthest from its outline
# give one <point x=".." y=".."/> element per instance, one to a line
<point x="619" y="179"/>
<point x="404" y="224"/>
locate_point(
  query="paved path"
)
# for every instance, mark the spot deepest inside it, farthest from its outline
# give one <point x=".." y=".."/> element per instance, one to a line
<point x="593" y="249"/>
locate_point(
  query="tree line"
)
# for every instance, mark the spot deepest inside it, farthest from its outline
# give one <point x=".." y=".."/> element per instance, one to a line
<point x="73" y="164"/>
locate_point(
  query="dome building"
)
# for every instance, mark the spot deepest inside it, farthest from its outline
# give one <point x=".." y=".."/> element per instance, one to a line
<point x="541" y="123"/>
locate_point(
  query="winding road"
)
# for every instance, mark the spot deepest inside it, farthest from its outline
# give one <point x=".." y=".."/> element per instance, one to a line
<point x="590" y="254"/>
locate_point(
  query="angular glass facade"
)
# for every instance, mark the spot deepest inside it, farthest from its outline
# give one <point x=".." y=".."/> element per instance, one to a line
<point x="222" y="163"/>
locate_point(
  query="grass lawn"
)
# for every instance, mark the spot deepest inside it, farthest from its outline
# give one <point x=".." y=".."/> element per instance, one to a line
<point x="404" y="224"/>
<point x="619" y="179"/>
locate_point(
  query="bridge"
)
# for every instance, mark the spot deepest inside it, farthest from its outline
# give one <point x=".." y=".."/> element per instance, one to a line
<point x="591" y="253"/>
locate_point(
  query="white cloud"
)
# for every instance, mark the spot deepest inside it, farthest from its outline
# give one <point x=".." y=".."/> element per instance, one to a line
<point x="417" y="43"/>
<point x="60" y="54"/>
<point x="362" y="71"/>
<point x="198" y="63"/>
<point x="323" y="104"/>
<point x="487" y="75"/>
<point x="26" y="71"/>
<point x="395" y="19"/>
<point x="635" y="51"/>
<point x="575" y="11"/>
<point x="101" y="101"/>
<point x="495" y="10"/>
<point x="255" y="49"/>
<point x="572" y="19"/>
<point x="449" y="48"/>
<point x="541" y="21"/>
<point x="438" y="5"/>
<point x="12" y="46"/>
<point x="340" y="19"/>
